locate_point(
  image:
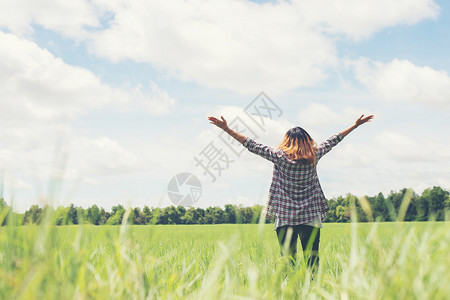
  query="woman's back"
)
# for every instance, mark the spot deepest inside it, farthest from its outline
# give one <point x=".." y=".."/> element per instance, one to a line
<point x="295" y="193"/>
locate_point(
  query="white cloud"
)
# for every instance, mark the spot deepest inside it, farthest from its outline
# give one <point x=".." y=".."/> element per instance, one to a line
<point x="102" y="156"/>
<point x="41" y="97"/>
<point x="360" y="19"/>
<point x="68" y="17"/>
<point x="401" y="147"/>
<point x="237" y="45"/>
<point x="389" y="161"/>
<point x="35" y="85"/>
<point x="271" y="132"/>
<point x="321" y="120"/>
<point x="244" y="46"/>
<point x="234" y="45"/>
<point x="154" y="99"/>
<point x="401" y="80"/>
<point x="316" y="115"/>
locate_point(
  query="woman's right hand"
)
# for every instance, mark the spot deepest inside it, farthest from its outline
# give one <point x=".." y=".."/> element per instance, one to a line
<point x="361" y="120"/>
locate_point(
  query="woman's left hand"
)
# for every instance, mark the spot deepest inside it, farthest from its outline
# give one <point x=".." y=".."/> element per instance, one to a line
<point x="221" y="124"/>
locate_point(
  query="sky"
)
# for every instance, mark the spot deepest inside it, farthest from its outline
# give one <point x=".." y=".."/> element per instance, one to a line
<point x="106" y="101"/>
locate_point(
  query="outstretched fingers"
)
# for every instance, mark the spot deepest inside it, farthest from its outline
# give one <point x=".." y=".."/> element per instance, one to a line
<point x="219" y="123"/>
<point x="362" y="119"/>
<point x="368" y="118"/>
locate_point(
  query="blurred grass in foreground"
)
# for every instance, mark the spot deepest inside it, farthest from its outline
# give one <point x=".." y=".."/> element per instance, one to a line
<point x="358" y="261"/>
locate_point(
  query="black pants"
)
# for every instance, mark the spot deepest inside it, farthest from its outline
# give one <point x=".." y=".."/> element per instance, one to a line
<point x="309" y="237"/>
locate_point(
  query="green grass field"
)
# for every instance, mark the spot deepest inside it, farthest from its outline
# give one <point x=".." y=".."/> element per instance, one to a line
<point x="358" y="261"/>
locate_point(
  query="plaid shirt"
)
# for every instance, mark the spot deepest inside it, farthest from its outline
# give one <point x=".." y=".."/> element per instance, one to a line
<point x="295" y="195"/>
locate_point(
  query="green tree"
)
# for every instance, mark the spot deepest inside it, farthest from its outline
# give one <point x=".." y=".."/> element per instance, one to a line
<point x="169" y="215"/>
<point x="342" y="214"/>
<point x="33" y="215"/>
<point x="437" y="198"/>
<point x="72" y="214"/>
<point x="423" y="207"/>
<point x="244" y="215"/>
<point x="117" y="215"/>
<point x="200" y="216"/>
<point x="447" y="209"/>
<point x="331" y="215"/>
<point x="138" y="217"/>
<point x="256" y="212"/>
<point x="379" y="208"/>
<point x="213" y="215"/>
<point x="190" y="216"/>
<point x="402" y="198"/>
<point x="209" y="216"/>
<point x="147" y="214"/>
<point x="81" y="215"/>
<point x="2" y="203"/>
<point x="93" y="215"/>
<point x="181" y="211"/>
<point x="103" y="217"/>
<point x="61" y="216"/>
<point x="229" y="215"/>
<point x="156" y="217"/>
<point x="411" y="212"/>
<point x="4" y="212"/>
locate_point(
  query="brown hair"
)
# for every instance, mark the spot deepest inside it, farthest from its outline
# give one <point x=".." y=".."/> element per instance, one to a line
<point x="299" y="145"/>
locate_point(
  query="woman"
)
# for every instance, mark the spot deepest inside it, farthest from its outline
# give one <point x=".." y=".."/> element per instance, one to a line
<point x="296" y="199"/>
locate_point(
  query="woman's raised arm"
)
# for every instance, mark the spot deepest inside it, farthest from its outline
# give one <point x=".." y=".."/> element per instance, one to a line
<point x="224" y="126"/>
<point x="361" y="120"/>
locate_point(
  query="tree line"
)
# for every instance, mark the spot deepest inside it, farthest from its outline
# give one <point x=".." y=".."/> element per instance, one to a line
<point x="404" y="205"/>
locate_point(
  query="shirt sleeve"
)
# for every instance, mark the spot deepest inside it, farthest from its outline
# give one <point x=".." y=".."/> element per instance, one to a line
<point x="326" y="146"/>
<point x="266" y="152"/>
